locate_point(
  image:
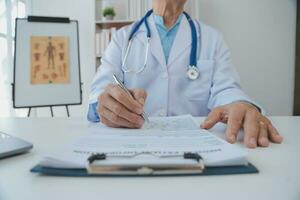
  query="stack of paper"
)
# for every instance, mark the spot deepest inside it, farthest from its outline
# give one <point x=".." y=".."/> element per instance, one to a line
<point x="162" y="137"/>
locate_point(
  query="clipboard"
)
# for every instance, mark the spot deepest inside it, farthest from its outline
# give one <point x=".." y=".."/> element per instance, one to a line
<point x="195" y="166"/>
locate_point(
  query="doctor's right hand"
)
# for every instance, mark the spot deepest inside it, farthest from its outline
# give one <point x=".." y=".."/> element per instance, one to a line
<point x="119" y="110"/>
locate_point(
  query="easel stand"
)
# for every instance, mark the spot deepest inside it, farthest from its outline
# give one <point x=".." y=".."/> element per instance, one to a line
<point x="51" y="110"/>
<point x="58" y="34"/>
<point x="50" y="106"/>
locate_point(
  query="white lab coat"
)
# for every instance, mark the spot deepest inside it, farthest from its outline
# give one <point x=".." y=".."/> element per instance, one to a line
<point x="169" y="90"/>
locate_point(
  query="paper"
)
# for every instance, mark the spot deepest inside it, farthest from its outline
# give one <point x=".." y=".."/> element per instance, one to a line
<point x="178" y="123"/>
<point x="214" y="151"/>
<point x="127" y="141"/>
<point x="184" y="122"/>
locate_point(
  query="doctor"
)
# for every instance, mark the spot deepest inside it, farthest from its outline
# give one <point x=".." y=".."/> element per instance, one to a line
<point x="174" y="65"/>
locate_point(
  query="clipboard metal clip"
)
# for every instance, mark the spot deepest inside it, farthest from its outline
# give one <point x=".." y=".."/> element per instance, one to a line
<point x="96" y="165"/>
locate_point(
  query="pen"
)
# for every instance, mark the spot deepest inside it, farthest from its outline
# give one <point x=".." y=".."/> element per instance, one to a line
<point x="117" y="80"/>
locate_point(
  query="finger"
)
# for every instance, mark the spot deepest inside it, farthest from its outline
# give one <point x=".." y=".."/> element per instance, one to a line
<point x="121" y="96"/>
<point x="214" y="117"/>
<point x="140" y="95"/>
<point x="108" y="123"/>
<point x="235" y="122"/>
<point x="251" y="128"/>
<point x="120" y="110"/>
<point x="225" y="118"/>
<point x="263" y="140"/>
<point x="115" y="119"/>
<point x="274" y="135"/>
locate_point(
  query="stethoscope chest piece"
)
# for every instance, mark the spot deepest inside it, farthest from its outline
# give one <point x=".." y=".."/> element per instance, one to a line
<point x="193" y="73"/>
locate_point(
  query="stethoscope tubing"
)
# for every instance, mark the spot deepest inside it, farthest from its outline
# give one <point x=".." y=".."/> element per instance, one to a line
<point x="192" y="68"/>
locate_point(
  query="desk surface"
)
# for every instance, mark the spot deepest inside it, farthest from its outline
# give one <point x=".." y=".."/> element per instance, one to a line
<point x="279" y="166"/>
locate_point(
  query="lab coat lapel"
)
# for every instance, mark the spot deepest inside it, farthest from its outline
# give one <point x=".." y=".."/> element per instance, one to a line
<point x="182" y="42"/>
<point x="155" y="44"/>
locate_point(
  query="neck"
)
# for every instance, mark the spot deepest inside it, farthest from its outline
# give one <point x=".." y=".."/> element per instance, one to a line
<point x="169" y="10"/>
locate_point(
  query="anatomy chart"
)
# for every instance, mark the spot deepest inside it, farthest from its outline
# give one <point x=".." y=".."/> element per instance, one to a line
<point x="49" y="60"/>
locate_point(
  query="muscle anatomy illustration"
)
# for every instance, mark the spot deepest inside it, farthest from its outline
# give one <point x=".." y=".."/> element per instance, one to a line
<point x="50" y="53"/>
<point x="50" y="60"/>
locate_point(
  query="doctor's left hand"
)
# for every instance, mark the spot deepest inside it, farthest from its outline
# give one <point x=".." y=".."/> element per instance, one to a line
<point x="258" y="129"/>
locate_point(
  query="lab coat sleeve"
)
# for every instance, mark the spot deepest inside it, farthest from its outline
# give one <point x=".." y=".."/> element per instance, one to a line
<point x="92" y="113"/>
<point x="110" y="63"/>
<point x="225" y="87"/>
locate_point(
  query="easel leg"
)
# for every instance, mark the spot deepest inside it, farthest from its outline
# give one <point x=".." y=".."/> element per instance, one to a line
<point x="28" y="114"/>
<point x="51" y="109"/>
<point x="67" y="109"/>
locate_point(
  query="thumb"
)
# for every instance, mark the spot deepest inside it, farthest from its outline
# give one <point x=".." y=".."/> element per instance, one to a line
<point x="214" y="117"/>
<point x="140" y="95"/>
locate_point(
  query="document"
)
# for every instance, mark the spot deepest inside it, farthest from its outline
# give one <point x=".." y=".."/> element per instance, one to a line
<point x="120" y="143"/>
<point x="183" y="122"/>
<point x="163" y="143"/>
<point x="177" y="123"/>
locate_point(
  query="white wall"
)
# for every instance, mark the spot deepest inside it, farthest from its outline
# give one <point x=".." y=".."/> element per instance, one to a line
<point x="260" y="34"/>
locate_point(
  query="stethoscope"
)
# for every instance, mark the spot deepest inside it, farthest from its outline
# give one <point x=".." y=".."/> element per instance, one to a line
<point x="192" y="71"/>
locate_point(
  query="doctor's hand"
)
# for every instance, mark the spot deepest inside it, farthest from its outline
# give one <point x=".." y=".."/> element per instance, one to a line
<point x="258" y="129"/>
<point x="117" y="109"/>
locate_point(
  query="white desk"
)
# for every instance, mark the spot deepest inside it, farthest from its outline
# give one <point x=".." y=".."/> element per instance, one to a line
<point x="279" y="165"/>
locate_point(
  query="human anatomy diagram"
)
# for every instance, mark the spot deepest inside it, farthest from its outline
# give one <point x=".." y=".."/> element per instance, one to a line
<point x="49" y="60"/>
